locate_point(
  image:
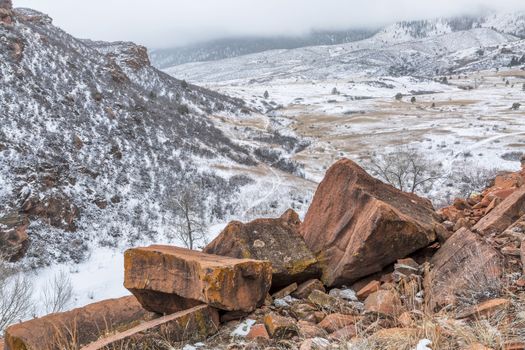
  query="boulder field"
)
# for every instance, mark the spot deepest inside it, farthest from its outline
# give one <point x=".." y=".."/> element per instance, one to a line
<point x="368" y="264"/>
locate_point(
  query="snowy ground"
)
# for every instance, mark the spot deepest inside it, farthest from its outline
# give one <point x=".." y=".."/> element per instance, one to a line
<point x="364" y="117"/>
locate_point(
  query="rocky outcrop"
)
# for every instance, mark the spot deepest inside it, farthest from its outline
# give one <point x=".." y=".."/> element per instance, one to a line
<point x="125" y="54"/>
<point x="504" y="215"/>
<point x="87" y="324"/>
<point x="357" y="225"/>
<point x="464" y="269"/>
<point x="157" y="272"/>
<point x="58" y="211"/>
<point x="13" y="236"/>
<point x="468" y="212"/>
<point x="275" y="240"/>
<point x="194" y="324"/>
<point x="6" y="12"/>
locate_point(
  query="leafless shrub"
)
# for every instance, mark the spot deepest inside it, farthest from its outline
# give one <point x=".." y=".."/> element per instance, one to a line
<point x="57" y="294"/>
<point x="406" y="169"/>
<point x="469" y="177"/>
<point x="15" y="296"/>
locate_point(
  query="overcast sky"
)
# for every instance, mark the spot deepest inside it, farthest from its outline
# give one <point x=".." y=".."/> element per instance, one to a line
<point x="165" y="23"/>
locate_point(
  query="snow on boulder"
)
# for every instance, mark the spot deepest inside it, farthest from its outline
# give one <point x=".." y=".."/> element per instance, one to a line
<point x="357" y="225"/>
<point x="163" y="276"/>
<point x="276" y="240"/>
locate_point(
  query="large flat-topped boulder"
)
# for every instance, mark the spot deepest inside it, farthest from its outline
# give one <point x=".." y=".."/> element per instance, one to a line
<point x="357" y="225"/>
<point x="222" y="282"/>
<point x="464" y="267"/>
<point x="504" y="215"/>
<point x="87" y="324"/>
<point x="275" y="240"/>
<point x="194" y="324"/>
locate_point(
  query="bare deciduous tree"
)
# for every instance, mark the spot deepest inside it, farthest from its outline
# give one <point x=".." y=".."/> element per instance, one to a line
<point x="190" y="225"/>
<point x="57" y="294"/>
<point x="15" y="296"/>
<point x="404" y="168"/>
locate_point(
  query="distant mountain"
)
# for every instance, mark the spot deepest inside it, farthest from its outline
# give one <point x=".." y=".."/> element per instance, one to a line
<point x="233" y="47"/>
<point x="508" y="23"/>
<point x="95" y="142"/>
<point x="480" y="48"/>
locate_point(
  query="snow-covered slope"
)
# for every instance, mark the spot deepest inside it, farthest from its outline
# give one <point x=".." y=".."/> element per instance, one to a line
<point x="511" y="23"/>
<point x="95" y="143"/>
<point x="428" y="56"/>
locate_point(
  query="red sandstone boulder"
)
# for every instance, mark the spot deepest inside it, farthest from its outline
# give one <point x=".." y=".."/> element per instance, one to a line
<point x="194" y="324"/>
<point x="275" y="240"/>
<point x="464" y="267"/>
<point x="503" y="215"/>
<point x="86" y="324"/>
<point x="357" y="225"/>
<point x="166" y="278"/>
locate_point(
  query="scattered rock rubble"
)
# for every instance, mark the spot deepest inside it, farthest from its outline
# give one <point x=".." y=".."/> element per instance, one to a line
<point x="370" y="268"/>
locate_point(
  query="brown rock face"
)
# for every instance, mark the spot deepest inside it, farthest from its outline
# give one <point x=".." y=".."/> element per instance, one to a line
<point x="58" y="211"/>
<point x="464" y="267"/>
<point x="357" y="225"/>
<point x="503" y="215"/>
<point x="13" y="236"/>
<point x="193" y="324"/>
<point x="275" y="240"/>
<point x="229" y="284"/>
<point x="53" y="332"/>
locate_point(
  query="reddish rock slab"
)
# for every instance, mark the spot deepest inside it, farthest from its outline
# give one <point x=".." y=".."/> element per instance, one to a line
<point x="257" y="331"/>
<point x="310" y="330"/>
<point x="464" y="264"/>
<point x="384" y="302"/>
<point x="225" y="283"/>
<point x="305" y="288"/>
<point x="358" y="225"/>
<point x="285" y="291"/>
<point x="276" y="240"/>
<point x="344" y="334"/>
<point x="194" y="324"/>
<point x="280" y="327"/>
<point x="53" y="332"/>
<point x="503" y="215"/>
<point x="334" y="322"/>
<point x="371" y="287"/>
<point x="485" y="309"/>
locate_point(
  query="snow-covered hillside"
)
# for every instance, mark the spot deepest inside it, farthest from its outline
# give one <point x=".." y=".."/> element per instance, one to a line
<point x="95" y="143"/>
<point x="442" y="54"/>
